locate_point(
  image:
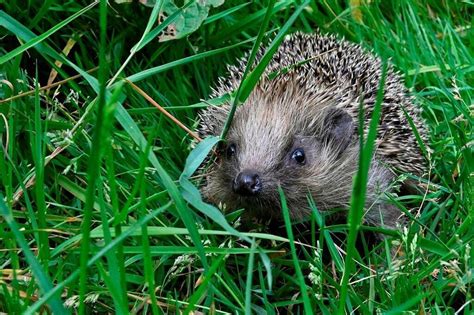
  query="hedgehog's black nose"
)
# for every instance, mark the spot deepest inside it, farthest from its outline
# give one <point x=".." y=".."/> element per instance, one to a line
<point x="247" y="183"/>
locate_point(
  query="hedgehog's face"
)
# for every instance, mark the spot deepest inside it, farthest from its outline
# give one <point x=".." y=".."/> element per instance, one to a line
<point x="271" y="145"/>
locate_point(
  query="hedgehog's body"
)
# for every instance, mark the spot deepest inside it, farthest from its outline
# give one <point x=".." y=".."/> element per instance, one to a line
<point x="298" y="130"/>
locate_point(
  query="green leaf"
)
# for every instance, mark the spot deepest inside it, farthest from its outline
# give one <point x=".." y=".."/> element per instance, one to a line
<point x="189" y="18"/>
<point x="197" y="156"/>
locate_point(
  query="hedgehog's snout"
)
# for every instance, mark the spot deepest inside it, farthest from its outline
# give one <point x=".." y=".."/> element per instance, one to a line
<point x="247" y="183"/>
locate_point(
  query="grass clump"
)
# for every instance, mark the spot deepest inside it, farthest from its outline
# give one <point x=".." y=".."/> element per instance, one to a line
<point x="99" y="210"/>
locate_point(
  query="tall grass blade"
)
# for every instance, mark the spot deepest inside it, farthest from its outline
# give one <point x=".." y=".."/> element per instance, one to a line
<point x="308" y="309"/>
<point x="38" y="150"/>
<point x="360" y="188"/>
<point x="114" y="283"/>
<point x="95" y="156"/>
<point x="250" y="62"/>
<point x="248" y="283"/>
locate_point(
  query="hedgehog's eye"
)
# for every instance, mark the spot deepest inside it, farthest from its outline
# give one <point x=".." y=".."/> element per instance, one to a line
<point x="298" y="156"/>
<point x="231" y="149"/>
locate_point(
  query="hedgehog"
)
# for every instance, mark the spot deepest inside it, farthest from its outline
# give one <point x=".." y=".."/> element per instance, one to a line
<point x="299" y="129"/>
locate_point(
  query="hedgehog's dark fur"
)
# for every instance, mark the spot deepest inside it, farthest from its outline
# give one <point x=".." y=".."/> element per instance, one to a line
<point x="310" y="107"/>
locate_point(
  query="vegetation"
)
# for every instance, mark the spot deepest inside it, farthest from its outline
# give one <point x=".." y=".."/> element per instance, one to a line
<point x="99" y="210"/>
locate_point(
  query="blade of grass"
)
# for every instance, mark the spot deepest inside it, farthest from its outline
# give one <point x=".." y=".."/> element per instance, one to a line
<point x="308" y="309"/>
<point x="360" y="187"/>
<point x="400" y="309"/>
<point x="180" y="250"/>
<point x="228" y="295"/>
<point x="29" y="206"/>
<point x="326" y="235"/>
<point x="248" y="83"/>
<point x="268" y="306"/>
<point x="41" y="12"/>
<point x="109" y="161"/>
<point x="38" y="150"/>
<point x="115" y="291"/>
<point x="250" y="62"/>
<point x="224" y="13"/>
<point x="161" y="231"/>
<point x="95" y="156"/>
<point x="147" y="261"/>
<point x="248" y="283"/>
<point x="113" y="282"/>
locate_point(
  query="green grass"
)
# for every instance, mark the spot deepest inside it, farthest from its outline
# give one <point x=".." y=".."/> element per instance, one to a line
<point x="99" y="210"/>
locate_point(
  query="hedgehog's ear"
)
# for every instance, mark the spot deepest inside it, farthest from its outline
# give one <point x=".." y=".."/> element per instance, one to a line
<point x="212" y="119"/>
<point x="339" y="128"/>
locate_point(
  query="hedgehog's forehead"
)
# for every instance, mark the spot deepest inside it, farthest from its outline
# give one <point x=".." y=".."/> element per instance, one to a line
<point x="278" y="112"/>
<point x="262" y="112"/>
<point x="265" y="126"/>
